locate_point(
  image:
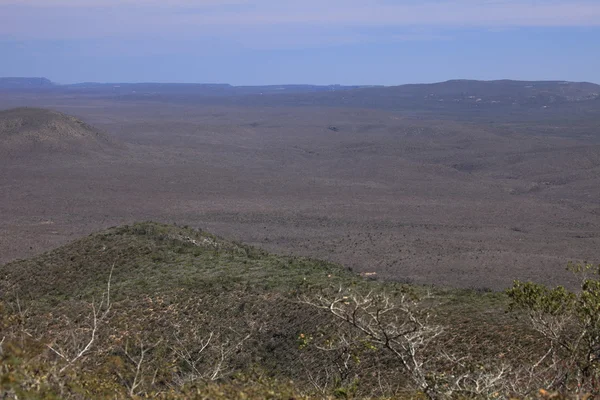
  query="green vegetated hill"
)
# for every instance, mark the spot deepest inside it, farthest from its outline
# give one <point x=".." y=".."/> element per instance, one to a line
<point x="153" y="310"/>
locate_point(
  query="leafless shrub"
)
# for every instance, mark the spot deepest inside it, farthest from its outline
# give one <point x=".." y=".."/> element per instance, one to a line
<point x="401" y="324"/>
<point x="206" y="358"/>
<point x="75" y="347"/>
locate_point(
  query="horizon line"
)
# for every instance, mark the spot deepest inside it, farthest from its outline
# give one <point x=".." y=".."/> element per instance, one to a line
<point x="297" y="84"/>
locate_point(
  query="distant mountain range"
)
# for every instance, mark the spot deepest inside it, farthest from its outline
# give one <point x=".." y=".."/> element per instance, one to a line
<point x="453" y="90"/>
<point x="209" y="89"/>
<point x="469" y="98"/>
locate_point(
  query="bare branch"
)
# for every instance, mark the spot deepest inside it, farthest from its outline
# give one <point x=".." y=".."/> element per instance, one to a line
<point x="398" y="324"/>
<point x="136" y="383"/>
<point x="96" y="319"/>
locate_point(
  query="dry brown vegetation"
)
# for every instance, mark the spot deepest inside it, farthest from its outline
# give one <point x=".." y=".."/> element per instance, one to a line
<point x="470" y="204"/>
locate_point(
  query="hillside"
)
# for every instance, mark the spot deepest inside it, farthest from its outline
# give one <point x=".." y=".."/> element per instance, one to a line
<point x="35" y="132"/>
<point x="157" y="310"/>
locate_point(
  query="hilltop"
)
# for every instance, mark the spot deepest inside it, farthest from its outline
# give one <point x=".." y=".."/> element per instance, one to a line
<point x="35" y="131"/>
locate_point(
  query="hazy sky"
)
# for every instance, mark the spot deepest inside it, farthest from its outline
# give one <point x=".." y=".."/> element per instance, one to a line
<point x="300" y="41"/>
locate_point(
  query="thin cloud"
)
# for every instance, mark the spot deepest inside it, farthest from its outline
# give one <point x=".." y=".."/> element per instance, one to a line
<point x="60" y="19"/>
<point x="116" y="3"/>
<point x="447" y="13"/>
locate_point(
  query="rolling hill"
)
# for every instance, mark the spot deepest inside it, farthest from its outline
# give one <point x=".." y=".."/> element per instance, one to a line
<point x="37" y="132"/>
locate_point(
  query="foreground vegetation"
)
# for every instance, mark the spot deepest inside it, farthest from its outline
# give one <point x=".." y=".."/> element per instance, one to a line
<point x="162" y="311"/>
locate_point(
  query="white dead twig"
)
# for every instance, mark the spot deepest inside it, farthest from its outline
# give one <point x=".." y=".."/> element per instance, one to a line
<point x="138" y="362"/>
<point x="225" y="352"/>
<point x="197" y="359"/>
<point x="397" y="324"/>
<point x="96" y="319"/>
<point x="193" y="361"/>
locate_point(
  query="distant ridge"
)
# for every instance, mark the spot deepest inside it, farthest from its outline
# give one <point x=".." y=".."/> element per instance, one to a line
<point x="458" y="98"/>
<point x="570" y="91"/>
<point x="34" y="132"/>
<point x="456" y="89"/>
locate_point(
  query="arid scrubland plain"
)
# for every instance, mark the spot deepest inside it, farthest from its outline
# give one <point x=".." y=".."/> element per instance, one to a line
<point x="463" y="183"/>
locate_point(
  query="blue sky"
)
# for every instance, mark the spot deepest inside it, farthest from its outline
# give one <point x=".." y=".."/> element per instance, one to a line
<point x="250" y="42"/>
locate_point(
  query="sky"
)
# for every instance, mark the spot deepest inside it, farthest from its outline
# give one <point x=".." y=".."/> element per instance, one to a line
<point x="258" y="42"/>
